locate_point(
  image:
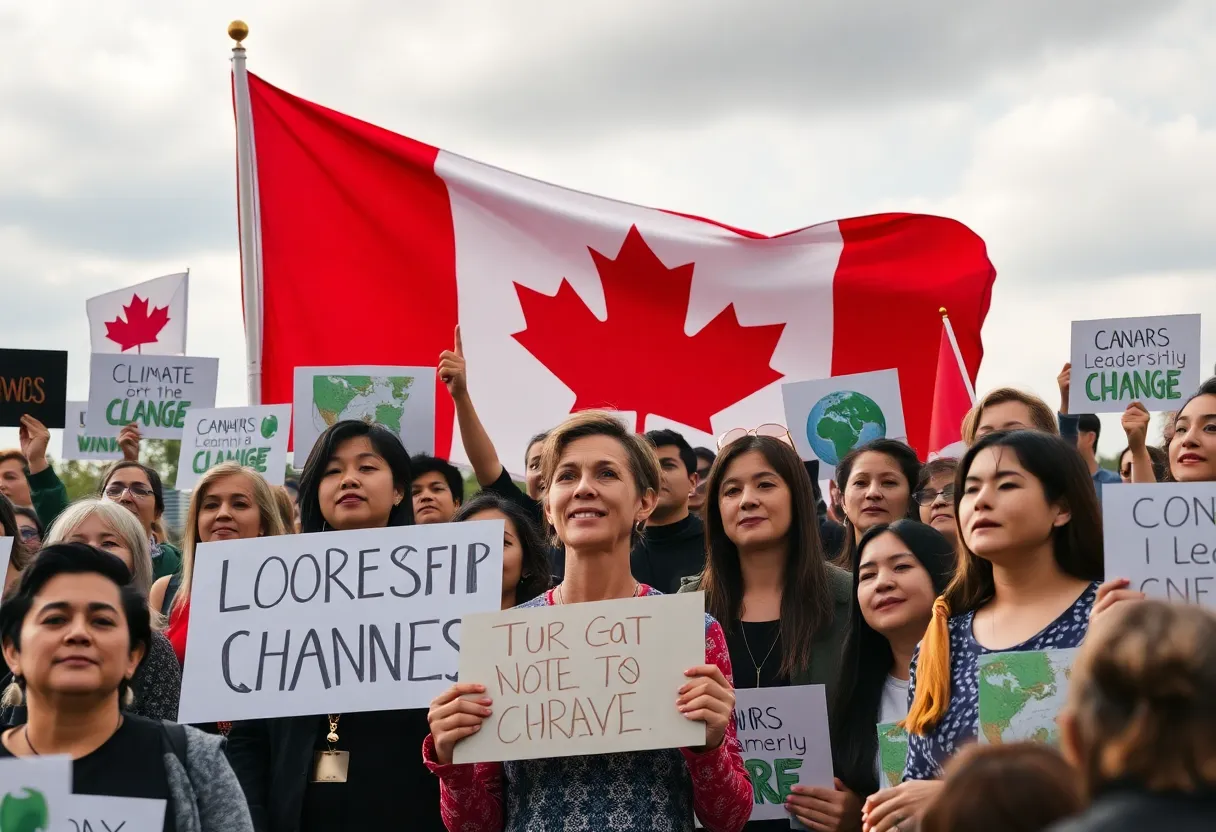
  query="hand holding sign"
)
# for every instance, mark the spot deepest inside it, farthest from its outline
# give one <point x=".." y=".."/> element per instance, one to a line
<point x="1111" y="593"/>
<point x="709" y="699"/>
<point x="34" y="437"/>
<point x="452" y="717"/>
<point x="129" y="439"/>
<point x="1064" y="382"/>
<point x="825" y="810"/>
<point x="452" y="369"/>
<point x="1135" y="425"/>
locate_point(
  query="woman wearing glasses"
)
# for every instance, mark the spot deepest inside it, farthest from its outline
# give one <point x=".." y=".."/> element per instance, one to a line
<point x="30" y="527"/>
<point x="784" y="609"/>
<point x="137" y="488"/>
<point x="876" y="482"/>
<point x="935" y="496"/>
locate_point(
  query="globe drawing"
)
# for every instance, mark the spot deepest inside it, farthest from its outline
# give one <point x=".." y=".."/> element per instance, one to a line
<point x="840" y="422"/>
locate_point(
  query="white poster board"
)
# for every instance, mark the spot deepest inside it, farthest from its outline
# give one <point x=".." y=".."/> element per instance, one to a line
<point x="829" y="417"/>
<point x="101" y="813"/>
<point x="1116" y="361"/>
<point x="80" y="444"/>
<point x="400" y="398"/>
<point x="6" y="552"/>
<point x="334" y="622"/>
<point x="1162" y="538"/>
<point x="591" y="678"/>
<point x="35" y="793"/>
<point x="254" y="437"/>
<point x="784" y="734"/>
<point x="154" y="391"/>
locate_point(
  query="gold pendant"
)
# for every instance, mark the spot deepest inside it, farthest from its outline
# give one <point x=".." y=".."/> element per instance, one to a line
<point x="332" y="737"/>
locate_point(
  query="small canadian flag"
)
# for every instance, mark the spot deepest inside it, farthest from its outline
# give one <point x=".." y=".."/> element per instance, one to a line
<point x="147" y="318"/>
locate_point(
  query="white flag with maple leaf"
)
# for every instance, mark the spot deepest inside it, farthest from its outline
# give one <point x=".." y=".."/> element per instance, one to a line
<point x="368" y="248"/>
<point x="148" y="318"/>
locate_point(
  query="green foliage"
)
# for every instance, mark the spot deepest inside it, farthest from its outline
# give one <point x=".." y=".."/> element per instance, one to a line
<point x="83" y="479"/>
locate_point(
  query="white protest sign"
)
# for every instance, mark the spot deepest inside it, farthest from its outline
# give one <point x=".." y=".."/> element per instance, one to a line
<point x="400" y="398"/>
<point x="154" y="391"/>
<point x="1115" y="361"/>
<point x="79" y="444"/>
<point x="100" y="813"/>
<point x="784" y="734"/>
<point x="35" y="793"/>
<point x="1162" y="538"/>
<point x="254" y="437"/>
<point x="6" y="552"/>
<point x="334" y="622"/>
<point x="829" y="417"/>
<point x="591" y="678"/>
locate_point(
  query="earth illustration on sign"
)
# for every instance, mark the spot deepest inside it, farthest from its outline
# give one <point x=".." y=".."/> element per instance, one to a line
<point x="24" y="811"/>
<point x="379" y="399"/>
<point x="892" y="752"/>
<point x="270" y="426"/>
<point x="840" y="422"/>
<point x="1021" y="694"/>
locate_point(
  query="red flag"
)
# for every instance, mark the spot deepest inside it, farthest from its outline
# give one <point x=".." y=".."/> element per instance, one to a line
<point x="374" y="246"/>
<point x="953" y="396"/>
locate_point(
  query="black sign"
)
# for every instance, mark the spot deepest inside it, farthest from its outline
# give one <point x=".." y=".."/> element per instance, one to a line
<point x="33" y="382"/>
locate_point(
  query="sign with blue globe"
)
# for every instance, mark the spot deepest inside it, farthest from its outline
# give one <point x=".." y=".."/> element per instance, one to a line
<point x="841" y="421"/>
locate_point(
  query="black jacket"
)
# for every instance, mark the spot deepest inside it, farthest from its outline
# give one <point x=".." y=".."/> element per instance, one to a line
<point x="668" y="554"/>
<point x="1128" y="809"/>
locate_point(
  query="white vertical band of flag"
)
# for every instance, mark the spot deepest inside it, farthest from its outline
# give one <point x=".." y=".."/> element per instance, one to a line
<point x="251" y="224"/>
<point x="958" y="356"/>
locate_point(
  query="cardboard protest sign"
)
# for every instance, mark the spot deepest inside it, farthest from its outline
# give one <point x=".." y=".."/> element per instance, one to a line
<point x="592" y="678"/>
<point x="154" y="391"/>
<point x="79" y="444"/>
<point x="254" y="437"/>
<point x="829" y="417"/>
<point x="784" y="734"/>
<point x="1162" y="538"/>
<point x="35" y="793"/>
<point x="33" y="382"/>
<point x="1116" y="361"/>
<point x="334" y="622"/>
<point x="99" y="813"/>
<point x="892" y="753"/>
<point x="1022" y="693"/>
<point x="400" y="398"/>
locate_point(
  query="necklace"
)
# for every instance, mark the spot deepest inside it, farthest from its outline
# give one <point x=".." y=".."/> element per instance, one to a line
<point x="25" y="735"/>
<point x="561" y="599"/>
<point x="332" y="736"/>
<point x="748" y="648"/>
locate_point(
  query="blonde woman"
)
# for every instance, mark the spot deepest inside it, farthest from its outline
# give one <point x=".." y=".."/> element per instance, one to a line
<point x="156" y="685"/>
<point x="229" y="503"/>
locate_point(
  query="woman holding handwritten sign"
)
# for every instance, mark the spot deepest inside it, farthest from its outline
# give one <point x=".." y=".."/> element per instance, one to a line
<point x="601" y="483"/>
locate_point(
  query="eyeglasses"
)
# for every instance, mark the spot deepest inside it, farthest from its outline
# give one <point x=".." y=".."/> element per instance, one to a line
<point x="138" y="490"/>
<point x="773" y="431"/>
<point x="28" y="534"/>
<point x="928" y="496"/>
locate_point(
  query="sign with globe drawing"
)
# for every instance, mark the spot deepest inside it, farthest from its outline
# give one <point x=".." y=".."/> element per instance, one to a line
<point x="827" y="418"/>
<point x="35" y="793"/>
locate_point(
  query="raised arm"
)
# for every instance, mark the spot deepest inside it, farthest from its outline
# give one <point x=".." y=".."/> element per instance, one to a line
<point x="477" y="444"/>
<point x="1135" y="425"/>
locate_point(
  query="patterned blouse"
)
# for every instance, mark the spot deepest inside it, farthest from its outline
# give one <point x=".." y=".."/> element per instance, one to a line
<point x="961" y="722"/>
<point x="629" y="792"/>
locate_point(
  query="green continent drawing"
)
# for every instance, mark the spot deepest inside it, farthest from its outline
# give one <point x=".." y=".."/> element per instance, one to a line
<point x="893" y="752"/>
<point x="332" y="394"/>
<point x="270" y="426"/>
<point x="841" y="421"/>
<point x="390" y="415"/>
<point x="25" y="813"/>
<point x="1011" y="684"/>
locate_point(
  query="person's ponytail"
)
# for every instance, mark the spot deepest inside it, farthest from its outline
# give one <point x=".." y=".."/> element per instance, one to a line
<point x="932" y="673"/>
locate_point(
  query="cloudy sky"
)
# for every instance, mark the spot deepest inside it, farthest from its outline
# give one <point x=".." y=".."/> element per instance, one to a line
<point x="1077" y="138"/>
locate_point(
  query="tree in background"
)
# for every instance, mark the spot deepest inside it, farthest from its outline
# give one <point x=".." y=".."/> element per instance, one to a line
<point x="83" y="479"/>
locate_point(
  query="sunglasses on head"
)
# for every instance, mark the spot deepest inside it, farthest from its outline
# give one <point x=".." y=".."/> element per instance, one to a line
<point x="773" y="431"/>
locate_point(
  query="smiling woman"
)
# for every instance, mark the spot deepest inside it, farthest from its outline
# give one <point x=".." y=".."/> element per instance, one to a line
<point x="1192" y="448"/>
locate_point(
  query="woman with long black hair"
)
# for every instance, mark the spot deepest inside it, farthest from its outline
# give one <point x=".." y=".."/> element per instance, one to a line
<point x="875" y="482"/>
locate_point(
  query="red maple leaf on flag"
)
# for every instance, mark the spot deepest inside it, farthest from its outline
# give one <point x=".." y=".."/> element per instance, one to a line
<point x="639" y="358"/>
<point x="140" y="327"/>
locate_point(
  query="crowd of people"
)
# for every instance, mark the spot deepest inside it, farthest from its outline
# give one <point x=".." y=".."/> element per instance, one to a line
<point x="887" y="591"/>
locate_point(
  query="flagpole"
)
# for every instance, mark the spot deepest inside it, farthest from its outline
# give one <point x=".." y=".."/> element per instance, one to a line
<point x="250" y="219"/>
<point x="185" y="345"/>
<point x="958" y="355"/>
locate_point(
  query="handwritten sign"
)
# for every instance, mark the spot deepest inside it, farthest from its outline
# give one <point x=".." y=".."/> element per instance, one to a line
<point x="892" y="753"/>
<point x="1022" y="693"/>
<point x="1115" y="361"/>
<point x="1162" y="537"/>
<point x="254" y="437"/>
<point x="400" y="398"/>
<point x="154" y="391"/>
<point x="829" y="417"/>
<point x="33" y="382"/>
<point x="334" y="622"/>
<point x="784" y="734"/>
<point x="78" y="443"/>
<point x="35" y="793"/>
<point x="590" y="678"/>
<point x="99" y="813"/>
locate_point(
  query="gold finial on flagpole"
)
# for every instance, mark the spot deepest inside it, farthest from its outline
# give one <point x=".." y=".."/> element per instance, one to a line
<point x="942" y="310"/>
<point x="238" y="30"/>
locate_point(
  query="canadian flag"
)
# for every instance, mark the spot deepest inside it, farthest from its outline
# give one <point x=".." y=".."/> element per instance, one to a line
<point x="361" y="246"/>
<point x="953" y="396"/>
<point x="148" y="318"/>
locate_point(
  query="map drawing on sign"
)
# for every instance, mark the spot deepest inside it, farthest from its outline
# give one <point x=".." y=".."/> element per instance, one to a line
<point x="892" y="752"/>
<point x="379" y="399"/>
<point x="1022" y="693"/>
<point x="841" y="421"/>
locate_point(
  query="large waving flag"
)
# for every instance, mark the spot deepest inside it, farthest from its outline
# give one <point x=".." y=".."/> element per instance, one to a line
<point x="361" y="246"/>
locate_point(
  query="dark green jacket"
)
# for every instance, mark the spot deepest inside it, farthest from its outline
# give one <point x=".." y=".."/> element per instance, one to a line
<point x="49" y="495"/>
<point x="828" y="646"/>
<point x="169" y="562"/>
